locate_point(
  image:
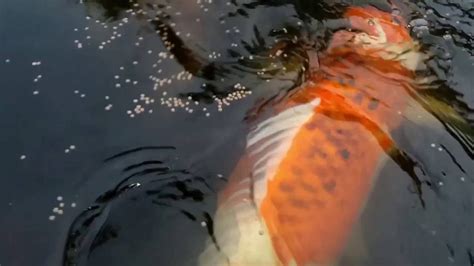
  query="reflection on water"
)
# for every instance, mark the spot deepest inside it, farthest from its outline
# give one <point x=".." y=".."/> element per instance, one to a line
<point x="245" y="59"/>
<point x="157" y="181"/>
<point x="224" y="44"/>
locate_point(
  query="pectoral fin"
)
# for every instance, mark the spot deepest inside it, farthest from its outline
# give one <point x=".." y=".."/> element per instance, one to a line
<point x="434" y="113"/>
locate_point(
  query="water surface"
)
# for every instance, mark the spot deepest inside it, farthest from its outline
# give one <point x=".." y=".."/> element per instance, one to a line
<point x="136" y="140"/>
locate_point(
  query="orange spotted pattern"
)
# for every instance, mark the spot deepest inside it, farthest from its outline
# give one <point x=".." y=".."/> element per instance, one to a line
<point x="322" y="183"/>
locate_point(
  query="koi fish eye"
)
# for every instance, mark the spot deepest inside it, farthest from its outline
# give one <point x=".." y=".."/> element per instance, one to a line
<point x="371" y="22"/>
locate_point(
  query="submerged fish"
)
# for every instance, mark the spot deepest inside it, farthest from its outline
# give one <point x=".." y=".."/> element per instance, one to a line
<point x="298" y="191"/>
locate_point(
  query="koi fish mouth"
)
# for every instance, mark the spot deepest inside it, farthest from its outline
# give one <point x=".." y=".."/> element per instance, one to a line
<point x="378" y="23"/>
<point x="366" y="40"/>
<point x="379" y="35"/>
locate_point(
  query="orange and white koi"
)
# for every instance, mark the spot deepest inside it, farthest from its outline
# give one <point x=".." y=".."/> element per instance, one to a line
<point x="297" y="193"/>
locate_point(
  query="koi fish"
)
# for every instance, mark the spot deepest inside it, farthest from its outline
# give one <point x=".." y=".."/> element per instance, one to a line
<point x="297" y="193"/>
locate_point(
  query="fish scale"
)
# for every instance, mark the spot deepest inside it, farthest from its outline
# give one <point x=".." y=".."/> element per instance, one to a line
<point x="328" y="186"/>
<point x="309" y="169"/>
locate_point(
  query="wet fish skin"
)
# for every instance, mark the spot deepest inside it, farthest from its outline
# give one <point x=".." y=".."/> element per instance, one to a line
<point x="307" y="172"/>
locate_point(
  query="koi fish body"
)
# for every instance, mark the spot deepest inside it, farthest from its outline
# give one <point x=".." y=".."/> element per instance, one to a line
<point x="299" y="189"/>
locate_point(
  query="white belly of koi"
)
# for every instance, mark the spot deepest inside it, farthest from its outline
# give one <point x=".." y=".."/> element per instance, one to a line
<point x="240" y="233"/>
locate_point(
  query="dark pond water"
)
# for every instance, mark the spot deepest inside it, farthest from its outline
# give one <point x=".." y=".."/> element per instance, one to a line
<point x="114" y="148"/>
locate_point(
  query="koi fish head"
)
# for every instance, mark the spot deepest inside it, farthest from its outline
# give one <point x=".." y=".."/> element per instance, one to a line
<point x="378" y="35"/>
<point x="389" y="27"/>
